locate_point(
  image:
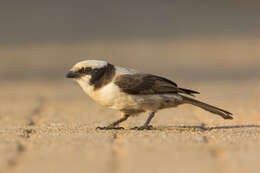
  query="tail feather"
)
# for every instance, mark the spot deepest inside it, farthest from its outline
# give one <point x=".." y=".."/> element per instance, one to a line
<point x="223" y="113"/>
<point x="188" y="91"/>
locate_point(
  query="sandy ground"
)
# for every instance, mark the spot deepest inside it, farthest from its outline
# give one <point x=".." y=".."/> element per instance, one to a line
<point x="49" y="126"/>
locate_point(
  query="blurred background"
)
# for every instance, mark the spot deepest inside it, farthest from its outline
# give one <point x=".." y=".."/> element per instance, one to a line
<point x="47" y="124"/>
<point x="202" y="40"/>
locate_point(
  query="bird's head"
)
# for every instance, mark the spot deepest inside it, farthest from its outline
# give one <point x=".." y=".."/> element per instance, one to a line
<point x="91" y="71"/>
<point x="86" y="68"/>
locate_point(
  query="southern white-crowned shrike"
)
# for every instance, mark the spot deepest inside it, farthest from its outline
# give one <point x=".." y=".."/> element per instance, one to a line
<point x="132" y="92"/>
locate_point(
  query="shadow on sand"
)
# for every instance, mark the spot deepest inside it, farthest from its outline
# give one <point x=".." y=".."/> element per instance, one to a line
<point x="203" y="127"/>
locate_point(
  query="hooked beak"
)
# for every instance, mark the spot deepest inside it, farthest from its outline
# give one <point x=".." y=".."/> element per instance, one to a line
<point x="72" y="74"/>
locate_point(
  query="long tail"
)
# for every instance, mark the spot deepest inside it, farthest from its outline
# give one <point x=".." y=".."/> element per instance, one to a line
<point x="224" y="114"/>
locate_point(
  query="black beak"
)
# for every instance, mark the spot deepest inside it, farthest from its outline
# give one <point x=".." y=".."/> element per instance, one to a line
<point x="72" y="74"/>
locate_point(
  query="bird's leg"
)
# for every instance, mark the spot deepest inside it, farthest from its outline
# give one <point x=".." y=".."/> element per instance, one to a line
<point x="146" y="125"/>
<point x="114" y="124"/>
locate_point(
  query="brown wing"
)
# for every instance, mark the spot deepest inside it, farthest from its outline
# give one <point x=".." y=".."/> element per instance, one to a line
<point x="148" y="84"/>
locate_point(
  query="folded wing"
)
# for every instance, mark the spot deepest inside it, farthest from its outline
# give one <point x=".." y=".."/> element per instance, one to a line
<point x="149" y="84"/>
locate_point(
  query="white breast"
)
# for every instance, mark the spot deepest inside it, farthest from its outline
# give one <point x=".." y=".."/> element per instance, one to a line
<point x="111" y="96"/>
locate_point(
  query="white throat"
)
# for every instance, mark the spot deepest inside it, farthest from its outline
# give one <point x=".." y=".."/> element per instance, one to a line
<point x="84" y="84"/>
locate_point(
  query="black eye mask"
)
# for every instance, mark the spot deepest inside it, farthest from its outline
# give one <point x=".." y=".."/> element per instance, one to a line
<point x="102" y="76"/>
<point x="86" y="70"/>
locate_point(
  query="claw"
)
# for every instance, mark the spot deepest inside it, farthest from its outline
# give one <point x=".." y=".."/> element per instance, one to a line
<point x="110" y="128"/>
<point x="143" y="128"/>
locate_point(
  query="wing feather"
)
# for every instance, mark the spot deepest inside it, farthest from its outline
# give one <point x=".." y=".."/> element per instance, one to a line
<point x="149" y="84"/>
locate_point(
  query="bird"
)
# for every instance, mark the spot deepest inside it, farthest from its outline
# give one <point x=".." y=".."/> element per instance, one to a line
<point x="132" y="92"/>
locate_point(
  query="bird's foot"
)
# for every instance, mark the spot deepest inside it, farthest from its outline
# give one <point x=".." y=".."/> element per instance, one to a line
<point x="110" y="128"/>
<point x="148" y="127"/>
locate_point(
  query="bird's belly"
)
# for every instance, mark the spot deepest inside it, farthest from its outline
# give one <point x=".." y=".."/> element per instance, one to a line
<point x="119" y="102"/>
<point x="111" y="96"/>
<point x="152" y="103"/>
<point x="140" y="103"/>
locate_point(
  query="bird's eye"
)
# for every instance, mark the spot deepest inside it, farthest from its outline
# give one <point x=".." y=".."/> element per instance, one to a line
<point x="81" y="70"/>
<point x="84" y="70"/>
<point x="87" y="70"/>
